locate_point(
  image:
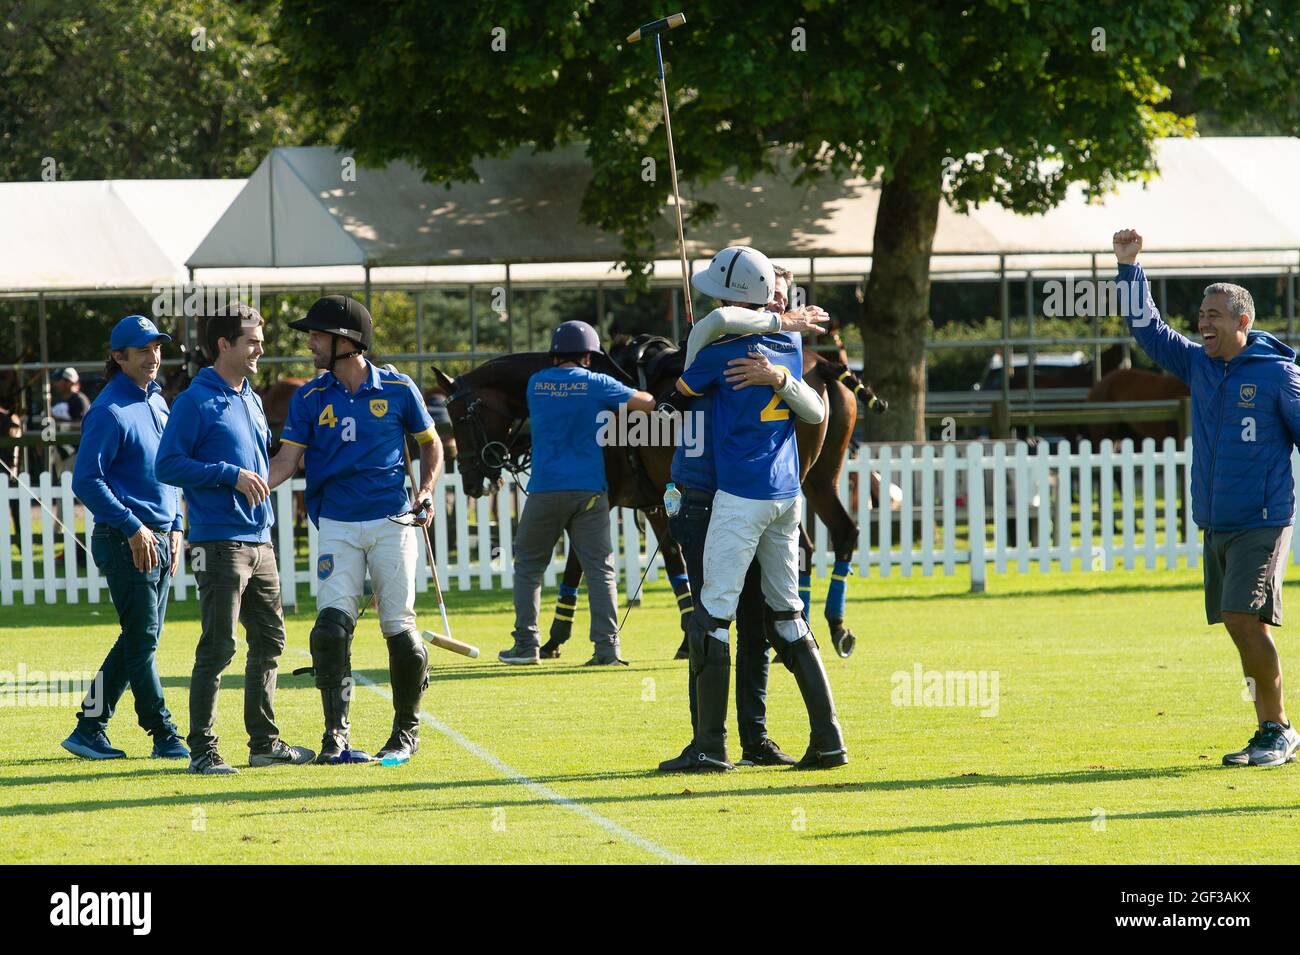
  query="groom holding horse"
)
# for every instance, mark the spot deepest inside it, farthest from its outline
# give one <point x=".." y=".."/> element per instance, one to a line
<point x="568" y="490"/>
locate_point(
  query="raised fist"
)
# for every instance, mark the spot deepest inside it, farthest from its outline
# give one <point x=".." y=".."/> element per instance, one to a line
<point x="1128" y="243"/>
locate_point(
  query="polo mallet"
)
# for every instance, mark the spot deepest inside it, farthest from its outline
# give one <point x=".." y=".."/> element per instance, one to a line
<point x="657" y="27"/>
<point x="444" y="639"/>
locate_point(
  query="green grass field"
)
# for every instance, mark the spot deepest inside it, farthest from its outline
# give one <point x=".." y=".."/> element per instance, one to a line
<point x="1115" y="703"/>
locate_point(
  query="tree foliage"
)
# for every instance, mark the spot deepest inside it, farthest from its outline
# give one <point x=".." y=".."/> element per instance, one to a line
<point x="1020" y="99"/>
<point x="122" y="89"/>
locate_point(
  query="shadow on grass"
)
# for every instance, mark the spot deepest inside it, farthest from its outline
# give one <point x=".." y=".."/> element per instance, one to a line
<point x="803" y="789"/>
<point x="1061" y="821"/>
<point x="684" y="780"/>
<point x="1047" y="593"/>
<point x="168" y="768"/>
<point x="470" y="603"/>
<point x="234" y="679"/>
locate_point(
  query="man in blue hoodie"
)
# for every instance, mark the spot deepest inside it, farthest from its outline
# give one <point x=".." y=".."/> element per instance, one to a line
<point x="1246" y="418"/>
<point x="136" y="541"/>
<point x="216" y="449"/>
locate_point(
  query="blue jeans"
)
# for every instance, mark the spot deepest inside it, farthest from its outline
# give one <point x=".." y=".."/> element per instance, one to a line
<point x="689" y="528"/>
<point x="141" y="602"/>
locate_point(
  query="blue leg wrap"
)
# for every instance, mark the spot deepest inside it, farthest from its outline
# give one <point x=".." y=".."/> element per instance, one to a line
<point x="835" y="593"/>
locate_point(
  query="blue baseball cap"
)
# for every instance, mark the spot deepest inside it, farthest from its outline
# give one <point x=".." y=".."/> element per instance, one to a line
<point x="135" y="331"/>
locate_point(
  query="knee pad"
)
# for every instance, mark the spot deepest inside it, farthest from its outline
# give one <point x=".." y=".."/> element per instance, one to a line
<point x="786" y="630"/>
<point x="703" y="646"/>
<point x="408" y="658"/>
<point x="331" y="647"/>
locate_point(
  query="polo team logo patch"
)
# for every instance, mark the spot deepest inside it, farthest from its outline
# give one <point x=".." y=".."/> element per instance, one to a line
<point x="1248" y="392"/>
<point x="379" y="407"/>
<point x="324" y="566"/>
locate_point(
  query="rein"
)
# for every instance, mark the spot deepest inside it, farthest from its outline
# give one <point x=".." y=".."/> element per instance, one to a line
<point x="513" y="455"/>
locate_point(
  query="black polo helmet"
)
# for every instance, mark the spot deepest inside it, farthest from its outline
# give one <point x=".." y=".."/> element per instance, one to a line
<point x="338" y="315"/>
<point x="574" y="337"/>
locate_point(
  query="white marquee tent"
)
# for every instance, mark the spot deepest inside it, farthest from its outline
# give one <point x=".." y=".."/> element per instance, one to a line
<point x="127" y="235"/>
<point x="1219" y="203"/>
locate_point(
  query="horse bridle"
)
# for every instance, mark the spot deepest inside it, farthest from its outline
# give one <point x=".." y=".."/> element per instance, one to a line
<point x="513" y="455"/>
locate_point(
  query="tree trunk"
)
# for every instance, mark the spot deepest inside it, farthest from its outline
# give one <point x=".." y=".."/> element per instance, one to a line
<point x="895" y="316"/>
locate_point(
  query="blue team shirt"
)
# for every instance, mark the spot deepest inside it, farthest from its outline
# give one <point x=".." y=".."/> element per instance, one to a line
<point x="564" y="406"/>
<point x="752" y="429"/>
<point x="355" y="467"/>
<point x="698" y="471"/>
<point x="114" y="474"/>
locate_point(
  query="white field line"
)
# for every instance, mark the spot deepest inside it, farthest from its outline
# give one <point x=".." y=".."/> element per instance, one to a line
<point x="546" y="792"/>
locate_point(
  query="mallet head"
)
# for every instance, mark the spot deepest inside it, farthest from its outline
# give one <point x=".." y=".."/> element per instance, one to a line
<point x="657" y="26"/>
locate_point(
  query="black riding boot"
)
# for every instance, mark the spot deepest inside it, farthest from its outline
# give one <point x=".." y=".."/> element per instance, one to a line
<point x="334" y="701"/>
<point x="710" y="664"/>
<point x="331" y="657"/>
<point x="408" y="674"/>
<point x="826" y="739"/>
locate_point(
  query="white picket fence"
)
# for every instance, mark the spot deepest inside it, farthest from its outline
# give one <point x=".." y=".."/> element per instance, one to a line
<point x="1091" y="509"/>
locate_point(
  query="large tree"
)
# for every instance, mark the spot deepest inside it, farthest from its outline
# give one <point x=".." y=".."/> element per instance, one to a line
<point x="133" y="89"/>
<point x="1002" y="100"/>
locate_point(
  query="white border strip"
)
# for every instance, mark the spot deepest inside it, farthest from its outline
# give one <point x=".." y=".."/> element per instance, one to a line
<point x="505" y="769"/>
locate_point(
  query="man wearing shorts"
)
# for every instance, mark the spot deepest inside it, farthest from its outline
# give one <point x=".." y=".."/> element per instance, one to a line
<point x="1246" y="418"/>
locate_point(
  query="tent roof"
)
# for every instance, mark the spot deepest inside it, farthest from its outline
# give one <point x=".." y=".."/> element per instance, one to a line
<point x="1212" y="195"/>
<point x="1218" y="203"/>
<point x="114" y="234"/>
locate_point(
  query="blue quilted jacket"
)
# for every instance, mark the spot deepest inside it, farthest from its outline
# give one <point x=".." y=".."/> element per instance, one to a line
<point x="1245" y="417"/>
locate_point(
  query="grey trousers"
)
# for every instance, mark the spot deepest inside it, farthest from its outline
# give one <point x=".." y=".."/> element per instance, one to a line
<point x="547" y="515"/>
<point x="239" y="583"/>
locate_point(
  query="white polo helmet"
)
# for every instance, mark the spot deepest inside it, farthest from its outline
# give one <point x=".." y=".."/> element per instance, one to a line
<point x="738" y="274"/>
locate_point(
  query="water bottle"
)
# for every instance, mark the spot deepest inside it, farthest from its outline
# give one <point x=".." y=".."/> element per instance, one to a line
<point x="672" y="500"/>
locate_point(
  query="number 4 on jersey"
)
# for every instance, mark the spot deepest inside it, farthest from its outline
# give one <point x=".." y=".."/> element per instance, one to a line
<point x="327" y="418"/>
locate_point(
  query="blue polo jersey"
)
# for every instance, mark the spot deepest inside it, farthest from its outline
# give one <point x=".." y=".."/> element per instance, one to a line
<point x="564" y="408"/>
<point x="355" y="467"/>
<point x="751" y="429"/>
<point x="698" y="471"/>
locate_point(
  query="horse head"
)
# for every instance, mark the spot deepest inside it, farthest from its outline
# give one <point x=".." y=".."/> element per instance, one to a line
<point x="487" y="421"/>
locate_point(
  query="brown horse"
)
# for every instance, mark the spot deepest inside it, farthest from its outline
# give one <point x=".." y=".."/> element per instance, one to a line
<point x="657" y="363"/>
<point x="1134" y="384"/>
<point x="489" y="414"/>
<point x="488" y="409"/>
<point x="275" y="400"/>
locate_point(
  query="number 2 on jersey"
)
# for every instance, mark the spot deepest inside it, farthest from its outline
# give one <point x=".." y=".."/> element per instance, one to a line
<point x="772" y="412"/>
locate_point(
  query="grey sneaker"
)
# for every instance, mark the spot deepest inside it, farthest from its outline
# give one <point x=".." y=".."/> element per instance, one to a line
<point x="1272" y="745"/>
<point x="281" y="754"/>
<point x="606" y="656"/>
<point x="211" y="764"/>
<point x="520" y="655"/>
